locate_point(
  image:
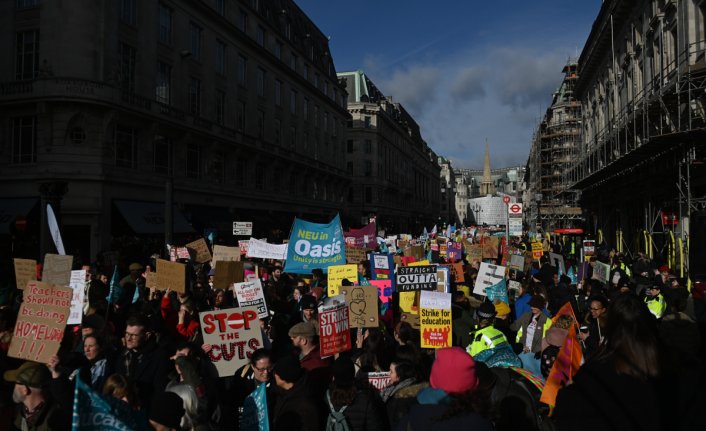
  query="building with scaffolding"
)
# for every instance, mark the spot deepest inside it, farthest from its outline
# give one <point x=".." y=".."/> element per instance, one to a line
<point x="640" y="165"/>
<point x="550" y="203"/>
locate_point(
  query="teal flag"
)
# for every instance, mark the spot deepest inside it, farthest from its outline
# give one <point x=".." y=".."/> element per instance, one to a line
<point x="95" y="412"/>
<point x="255" y="411"/>
<point x="315" y="245"/>
<point x="116" y="290"/>
<point x="498" y="291"/>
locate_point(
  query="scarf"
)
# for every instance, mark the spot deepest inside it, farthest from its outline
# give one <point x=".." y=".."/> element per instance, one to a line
<point x="389" y="391"/>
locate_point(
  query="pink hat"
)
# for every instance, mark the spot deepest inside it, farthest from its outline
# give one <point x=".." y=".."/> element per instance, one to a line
<point x="454" y="371"/>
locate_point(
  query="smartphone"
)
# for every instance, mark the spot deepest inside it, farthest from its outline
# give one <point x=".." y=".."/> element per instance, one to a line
<point x="584" y="329"/>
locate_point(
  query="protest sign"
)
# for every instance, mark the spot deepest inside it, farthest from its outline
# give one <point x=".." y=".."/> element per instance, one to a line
<point x="203" y="254"/>
<point x="488" y="275"/>
<point x="411" y="318"/>
<point x="250" y="293"/>
<point x="412" y="278"/>
<point x="453" y="250"/>
<point x="78" y="287"/>
<point x="183" y="253"/>
<point x="244" y="246"/>
<point x="491" y="244"/>
<point x="233" y="335"/>
<point x="384" y="288"/>
<point x="151" y="280"/>
<point x="171" y="275"/>
<point x="601" y="271"/>
<point x="443" y="249"/>
<point x="435" y="319"/>
<point x="95" y="412"/>
<point x="336" y="275"/>
<point x="557" y="261"/>
<point x="419" y="263"/>
<point x="408" y="260"/>
<point x="57" y="269"/>
<point x="517" y="262"/>
<point x="363" y="237"/>
<point x="40" y="322"/>
<point x="407" y="300"/>
<point x="379" y="379"/>
<point x="222" y="253"/>
<point x="443" y="277"/>
<point x="362" y="305"/>
<point x="255" y="416"/>
<point x="537" y="250"/>
<point x="227" y="273"/>
<point x="513" y="288"/>
<point x="457" y="272"/>
<point x="474" y="253"/>
<point x="356" y="254"/>
<point x="315" y="245"/>
<point x="334" y="328"/>
<point x="265" y="250"/>
<point x="25" y="270"/>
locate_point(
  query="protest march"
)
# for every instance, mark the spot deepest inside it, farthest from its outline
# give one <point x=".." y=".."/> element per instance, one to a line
<point x="331" y="329"/>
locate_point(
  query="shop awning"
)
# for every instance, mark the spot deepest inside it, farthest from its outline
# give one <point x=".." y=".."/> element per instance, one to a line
<point x="148" y="217"/>
<point x="10" y="209"/>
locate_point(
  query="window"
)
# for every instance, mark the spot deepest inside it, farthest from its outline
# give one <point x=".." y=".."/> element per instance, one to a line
<point x="368" y="168"/>
<point x="240" y="167"/>
<point x="306" y="142"/>
<point x="261" y="36"/>
<point x="164" y="79"/>
<point x="305" y="108"/>
<point x="261" y="124"/>
<point x="220" y="106"/>
<point x="278" y="92"/>
<point x="260" y="176"/>
<point x="125" y="147"/>
<point x="24" y="140"/>
<point x="367" y="121"/>
<point x="240" y="116"/>
<point x="351" y="195"/>
<point x="293" y="62"/>
<point x="27" y="4"/>
<point x="220" y="57"/>
<point x="162" y="156"/>
<point x="128" y="11"/>
<point x="292" y="137"/>
<point x="195" y="96"/>
<point x="351" y="147"/>
<point x="220" y="6"/>
<point x="325" y="121"/>
<point x="193" y="160"/>
<point x="165" y="24"/>
<point x="368" y="195"/>
<point x="242" y="69"/>
<point x="368" y="146"/>
<point x="195" y="34"/>
<point x="27" y="62"/>
<point x="243" y="21"/>
<point x="277" y="126"/>
<point x="261" y="82"/>
<point x="278" y="50"/>
<point x="127" y="67"/>
<point x="292" y="184"/>
<point x="293" y="102"/>
<point x="77" y="135"/>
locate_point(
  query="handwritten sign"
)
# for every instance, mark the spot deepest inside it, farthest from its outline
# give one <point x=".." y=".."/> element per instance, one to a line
<point x="601" y="272"/>
<point x="491" y="244"/>
<point x="336" y="275"/>
<point x="334" y="329"/>
<point x="488" y="275"/>
<point x="249" y="294"/>
<point x="222" y="253"/>
<point x="40" y="322"/>
<point x="78" y="286"/>
<point x="356" y="254"/>
<point x="57" y="269"/>
<point x="227" y="273"/>
<point x="25" y="270"/>
<point x="362" y="305"/>
<point x="264" y="250"/>
<point x="203" y="254"/>
<point x="234" y="334"/>
<point x="412" y="278"/>
<point x="171" y="275"/>
<point x="474" y="253"/>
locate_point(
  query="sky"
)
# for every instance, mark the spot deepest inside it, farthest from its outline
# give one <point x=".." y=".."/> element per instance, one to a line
<point x="467" y="70"/>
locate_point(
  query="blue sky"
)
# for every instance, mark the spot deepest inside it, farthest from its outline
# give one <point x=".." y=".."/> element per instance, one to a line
<point x="467" y="70"/>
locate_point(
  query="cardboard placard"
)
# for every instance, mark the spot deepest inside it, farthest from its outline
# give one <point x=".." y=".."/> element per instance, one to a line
<point x="171" y="275"/>
<point x="337" y="273"/>
<point x="491" y="244"/>
<point x="334" y="328"/>
<point x="57" y="269"/>
<point x="474" y="253"/>
<point x="457" y="272"/>
<point x="25" y="271"/>
<point x="488" y="275"/>
<point x="222" y="253"/>
<point x="362" y="305"/>
<point x="40" y="322"/>
<point x="151" y="280"/>
<point x="78" y="288"/>
<point x="413" y="278"/>
<point x="200" y="247"/>
<point x="412" y="319"/>
<point x="250" y="294"/>
<point x="233" y="335"/>
<point x="356" y="254"/>
<point x="517" y="262"/>
<point x="227" y="273"/>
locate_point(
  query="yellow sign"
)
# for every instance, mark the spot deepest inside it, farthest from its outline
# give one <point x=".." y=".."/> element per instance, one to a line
<point x="537" y="250"/>
<point x="420" y="263"/>
<point x="407" y="302"/>
<point x="337" y="273"/>
<point x="435" y="319"/>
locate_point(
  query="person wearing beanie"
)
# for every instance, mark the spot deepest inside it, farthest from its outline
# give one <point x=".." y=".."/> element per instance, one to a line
<point x="486" y="336"/>
<point x="453" y="401"/>
<point x="166" y="412"/>
<point x="531" y="328"/>
<point x="294" y="408"/>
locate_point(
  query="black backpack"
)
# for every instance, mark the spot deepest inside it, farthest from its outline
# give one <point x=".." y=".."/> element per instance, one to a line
<point x="515" y="403"/>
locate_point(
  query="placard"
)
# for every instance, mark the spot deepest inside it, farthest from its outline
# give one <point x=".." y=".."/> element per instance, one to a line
<point x="264" y="250"/>
<point x="41" y="322"/>
<point x="379" y="379"/>
<point x="244" y="246"/>
<point x="474" y="253"/>
<point x="57" y="269"/>
<point x="78" y="287"/>
<point x="250" y="293"/>
<point x="234" y="334"/>
<point x="435" y="319"/>
<point x="334" y="328"/>
<point x="537" y="250"/>
<point x="407" y="300"/>
<point x="491" y="244"/>
<point x="315" y="245"/>
<point x="171" y="275"/>
<point x="517" y="262"/>
<point x="362" y="305"/>
<point x="151" y="280"/>
<point x="337" y="273"/>
<point x="384" y="288"/>
<point x="356" y="254"/>
<point x="413" y="278"/>
<point x="557" y="261"/>
<point x="222" y="253"/>
<point x="514" y="286"/>
<point x="453" y="250"/>
<point x="601" y="271"/>
<point x="200" y="247"/>
<point x="25" y="270"/>
<point x="488" y="275"/>
<point x="227" y="273"/>
<point x="457" y="272"/>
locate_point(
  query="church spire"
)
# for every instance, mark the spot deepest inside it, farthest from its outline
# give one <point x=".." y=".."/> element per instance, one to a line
<point x="486" y="186"/>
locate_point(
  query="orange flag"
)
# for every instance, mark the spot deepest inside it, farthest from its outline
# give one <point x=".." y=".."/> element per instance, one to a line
<point x="567" y="363"/>
<point x="565" y="309"/>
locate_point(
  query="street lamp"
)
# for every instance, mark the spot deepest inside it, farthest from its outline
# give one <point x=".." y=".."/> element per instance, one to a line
<point x="477" y="209"/>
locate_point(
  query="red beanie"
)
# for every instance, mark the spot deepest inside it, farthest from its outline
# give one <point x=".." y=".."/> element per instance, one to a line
<point x="454" y="371"/>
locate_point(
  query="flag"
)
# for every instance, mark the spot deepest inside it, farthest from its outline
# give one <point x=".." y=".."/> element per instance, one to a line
<point x="498" y="291"/>
<point x="54" y="230"/>
<point x="565" y="309"/>
<point x="116" y="289"/>
<point x="95" y="412"/>
<point x="433" y="232"/>
<point x="255" y="411"/>
<point x="315" y="245"/>
<point x="565" y="367"/>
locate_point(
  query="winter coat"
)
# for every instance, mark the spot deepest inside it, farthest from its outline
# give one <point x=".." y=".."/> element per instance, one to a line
<point x="365" y="413"/>
<point x="149" y="371"/>
<point x="543" y="323"/>
<point x="433" y="404"/>
<point x="295" y="409"/>
<point x="401" y="401"/>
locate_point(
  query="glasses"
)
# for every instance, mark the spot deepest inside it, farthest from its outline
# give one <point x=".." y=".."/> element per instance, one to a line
<point x="131" y="336"/>
<point x="264" y="369"/>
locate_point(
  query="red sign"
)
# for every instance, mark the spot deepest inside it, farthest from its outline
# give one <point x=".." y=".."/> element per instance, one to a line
<point x="506" y="199"/>
<point x="515" y="209"/>
<point x="334" y="330"/>
<point x="569" y="231"/>
<point x="669" y="218"/>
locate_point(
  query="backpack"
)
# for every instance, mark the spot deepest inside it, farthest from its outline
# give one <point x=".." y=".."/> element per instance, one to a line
<point x="336" y="420"/>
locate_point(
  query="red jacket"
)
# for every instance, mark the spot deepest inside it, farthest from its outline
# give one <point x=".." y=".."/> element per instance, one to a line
<point x="180" y="331"/>
<point x="313" y="360"/>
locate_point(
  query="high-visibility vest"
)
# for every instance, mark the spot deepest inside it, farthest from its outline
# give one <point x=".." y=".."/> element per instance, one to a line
<point x="547" y="325"/>
<point x="484" y="339"/>
<point x="656" y="305"/>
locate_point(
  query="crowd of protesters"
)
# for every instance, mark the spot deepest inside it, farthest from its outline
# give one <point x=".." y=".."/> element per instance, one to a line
<point x="641" y="335"/>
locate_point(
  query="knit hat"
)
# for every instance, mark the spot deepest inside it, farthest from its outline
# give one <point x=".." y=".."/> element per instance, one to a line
<point x="537" y="301"/>
<point x="486" y="311"/>
<point x="288" y="369"/>
<point x="454" y="371"/>
<point x="308" y="302"/>
<point x="664" y="268"/>
<point x="343" y="371"/>
<point x="167" y="409"/>
<point x="31" y="374"/>
<point x="303" y="329"/>
<point x="502" y="309"/>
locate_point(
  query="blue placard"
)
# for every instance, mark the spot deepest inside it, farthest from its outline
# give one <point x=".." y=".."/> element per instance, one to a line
<point x="315" y="245"/>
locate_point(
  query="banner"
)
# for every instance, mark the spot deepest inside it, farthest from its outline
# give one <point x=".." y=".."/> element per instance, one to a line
<point x="336" y="275"/>
<point x="314" y="245"/>
<point x="25" y="270"/>
<point x="356" y="254"/>
<point x="250" y="293"/>
<point x="362" y="305"/>
<point x="498" y="291"/>
<point x="412" y="278"/>
<point x="435" y="319"/>
<point x="57" y="269"/>
<point x="40" y="322"/>
<point x="254" y="416"/>
<point x="265" y="250"/>
<point x="96" y="412"/>
<point x="565" y="367"/>
<point x="379" y="379"/>
<point x="363" y="237"/>
<point x="203" y="254"/>
<point x="54" y="230"/>
<point x="601" y="271"/>
<point x="171" y="275"/>
<point x="233" y="335"/>
<point x="488" y="275"/>
<point x="78" y="286"/>
<point x="334" y="328"/>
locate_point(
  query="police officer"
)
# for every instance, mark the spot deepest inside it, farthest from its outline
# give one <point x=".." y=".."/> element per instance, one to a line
<point x="486" y="336"/>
